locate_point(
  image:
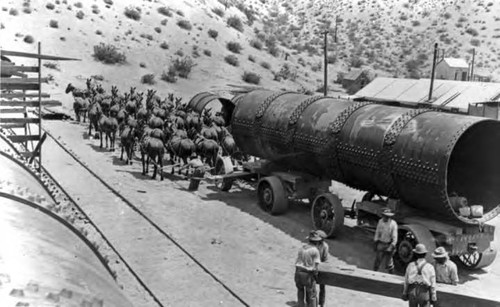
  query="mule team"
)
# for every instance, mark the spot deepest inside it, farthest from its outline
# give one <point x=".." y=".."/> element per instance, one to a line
<point x="158" y="126"/>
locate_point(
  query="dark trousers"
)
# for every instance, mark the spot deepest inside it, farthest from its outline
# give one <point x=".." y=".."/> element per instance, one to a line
<point x="383" y="256"/>
<point x="419" y="296"/>
<point x="322" y="295"/>
<point x="306" y="288"/>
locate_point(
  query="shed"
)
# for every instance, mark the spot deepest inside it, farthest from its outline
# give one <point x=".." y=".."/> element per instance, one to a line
<point x="452" y="69"/>
<point x="355" y="80"/>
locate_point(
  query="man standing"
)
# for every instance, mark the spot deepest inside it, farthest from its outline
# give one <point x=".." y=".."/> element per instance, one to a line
<point x="385" y="240"/>
<point x="420" y="280"/>
<point x="446" y="270"/>
<point x="306" y="268"/>
<point x="323" y="256"/>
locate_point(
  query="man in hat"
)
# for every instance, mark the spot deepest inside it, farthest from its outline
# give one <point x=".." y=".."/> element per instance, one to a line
<point x="385" y="240"/>
<point x="306" y="268"/>
<point x="446" y="270"/>
<point x="420" y="280"/>
<point x="323" y="256"/>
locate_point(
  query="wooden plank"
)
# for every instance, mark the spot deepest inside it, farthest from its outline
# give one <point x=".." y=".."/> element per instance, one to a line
<point x="11" y="125"/>
<point x="11" y="110"/>
<point x="22" y="80"/>
<point x="19" y="120"/>
<point x="20" y="86"/>
<point x="28" y="154"/>
<point x="9" y="69"/>
<point x="22" y="95"/>
<point x="23" y="138"/>
<point x="392" y="286"/>
<point x="19" y="103"/>
<point x="38" y="148"/>
<point x="36" y="55"/>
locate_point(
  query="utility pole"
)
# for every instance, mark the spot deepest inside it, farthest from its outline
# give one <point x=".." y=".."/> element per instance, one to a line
<point x="433" y="69"/>
<point x="472" y="66"/>
<point x="325" y="52"/>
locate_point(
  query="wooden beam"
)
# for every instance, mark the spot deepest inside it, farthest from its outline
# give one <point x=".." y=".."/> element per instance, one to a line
<point x="23" y="138"/>
<point x="36" y="55"/>
<point x="9" y="69"/>
<point x="28" y="154"/>
<point x="22" y="80"/>
<point x="31" y="103"/>
<point x="11" y="110"/>
<point x="38" y="148"/>
<point x="392" y="286"/>
<point x="11" y="125"/>
<point x="22" y="95"/>
<point x="20" y="86"/>
<point x="19" y="120"/>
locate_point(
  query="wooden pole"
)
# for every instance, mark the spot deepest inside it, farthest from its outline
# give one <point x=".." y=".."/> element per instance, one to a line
<point x="40" y="107"/>
<point x="325" y="51"/>
<point x="433" y="70"/>
<point x="472" y="65"/>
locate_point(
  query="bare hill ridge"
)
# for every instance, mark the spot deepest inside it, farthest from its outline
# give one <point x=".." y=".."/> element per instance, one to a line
<point x="391" y="38"/>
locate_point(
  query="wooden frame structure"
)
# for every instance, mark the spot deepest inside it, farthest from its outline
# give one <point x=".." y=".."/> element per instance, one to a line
<point x="20" y="89"/>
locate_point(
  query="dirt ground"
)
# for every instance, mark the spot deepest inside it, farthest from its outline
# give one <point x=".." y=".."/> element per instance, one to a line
<point x="246" y="248"/>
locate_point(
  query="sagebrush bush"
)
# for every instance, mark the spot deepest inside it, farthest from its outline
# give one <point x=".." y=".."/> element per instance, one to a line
<point x="234" y="47"/>
<point x="182" y="66"/>
<point x="147" y="36"/>
<point x="266" y="65"/>
<point x="180" y="13"/>
<point x="164" y="45"/>
<point x="213" y="34"/>
<point x="13" y="12"/>
<point x="142" y="64"/>
<point x="472" y="32"/>
<point x="79" y="5"/>
<point x="164" y="22"/>
<point x="475" y="42"/>
<point x="251" y="77"/>
<point x="195" y="52"/>
<point x="54" y="24"/>
<point x="133" y="13"/>
<point x="50" y="6"/>
<point x="157" y="29"/>
<point x="108" y="54"/>
<point x="108" y="2"/>
<point x="235" y="22"/>
<point x="169" y="76"/>
<point x="98" y="32"/>
<point x="251" y="58"/>
<point x="179" y="53"/>
<point x="232" y="60"/>
<point x="165" y="11"/>
<point x="148" y="79"/>
<point x="51" y="65"/>
<point x="185" y="24"/>
<point x="29" y="39"/>
<point x="80" y="14"/>
<point x="256" y="44"/>
<point x="218" y="12"/>
<point x="27" y="10"/>
<point x="207" y="52"/>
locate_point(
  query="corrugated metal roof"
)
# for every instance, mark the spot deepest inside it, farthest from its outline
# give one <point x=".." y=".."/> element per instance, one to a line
<point x="456" y="62"/>
<point x="455" y="94"/>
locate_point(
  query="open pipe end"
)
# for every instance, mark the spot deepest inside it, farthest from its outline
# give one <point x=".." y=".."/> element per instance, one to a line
<point x="473" y="173"/>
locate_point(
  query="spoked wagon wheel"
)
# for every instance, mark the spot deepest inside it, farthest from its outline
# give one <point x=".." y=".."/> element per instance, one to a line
<point x="272" y="195"/>
<point x="223" y="166"/>
<point x="327" y="214"/>
<point x="408" y="237"/>
<point x="474" y="260"/>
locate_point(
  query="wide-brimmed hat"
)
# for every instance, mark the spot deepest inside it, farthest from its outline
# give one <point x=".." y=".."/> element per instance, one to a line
<point x="387" y="212"/>
<point x="420" y="249"/>
<point x="321" y="234"/>
<point x="314" y="236"/>
<point x="440" y="252"/>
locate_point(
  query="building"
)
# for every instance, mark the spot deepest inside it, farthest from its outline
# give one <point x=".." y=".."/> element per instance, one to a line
<point x="452" y="69"/>
<point x="355" y="80"/>
<point x="447" y="94"/>
<point x="481" y="75"/>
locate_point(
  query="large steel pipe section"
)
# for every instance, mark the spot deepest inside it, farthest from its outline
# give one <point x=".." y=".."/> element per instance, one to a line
<point x="420" y="156"/>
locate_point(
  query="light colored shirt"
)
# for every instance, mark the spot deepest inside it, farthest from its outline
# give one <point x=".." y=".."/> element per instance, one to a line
<point x="323" y="251"/>
<point x="308" y="257"/>
<point x="427" y="276"/>
<point x="446" y="273"/>
<point x="386" y="232"/>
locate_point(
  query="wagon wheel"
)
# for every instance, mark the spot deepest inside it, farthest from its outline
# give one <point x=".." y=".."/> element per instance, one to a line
<point x="272" y="195"/>
<point x="474" y="260"/>
<point x="408" y="237"/>
<point x="327" y="214"/>
<point x="223" y="166"/>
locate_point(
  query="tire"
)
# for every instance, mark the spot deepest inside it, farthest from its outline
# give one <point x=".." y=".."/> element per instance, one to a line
<point x="224" y="166"/>
<point x="272" y="195"/>
<point x="327" y="214"/>
<point x="408" y="237"/>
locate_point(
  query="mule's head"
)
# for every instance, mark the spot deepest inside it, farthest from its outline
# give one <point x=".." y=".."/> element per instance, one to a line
<point x="69" y="88"/>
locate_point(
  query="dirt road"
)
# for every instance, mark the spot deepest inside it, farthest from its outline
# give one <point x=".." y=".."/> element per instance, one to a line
<point x="247" y="249"/>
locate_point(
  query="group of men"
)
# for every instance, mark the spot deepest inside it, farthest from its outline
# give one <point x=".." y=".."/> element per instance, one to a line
<point x="420" y="278"/>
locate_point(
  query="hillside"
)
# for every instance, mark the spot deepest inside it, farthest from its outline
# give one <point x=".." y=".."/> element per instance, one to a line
<point x="389" y="38"/>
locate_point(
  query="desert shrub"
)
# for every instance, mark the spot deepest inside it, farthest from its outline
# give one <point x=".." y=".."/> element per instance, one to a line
<point x="251" y="77"/>
<point x="462" y="19"/>
<point x="62" y="38"/>
<point x="165" y="11"/>
<point x="132" y="13"/>
<point x="179" y="53"/>
<point x="29" y="39"/>
<point x="147" y="36"/>
<point x="415" y="23"/>
<point x="251" y="58"/>
<point x="108" y="54"/>
<point x="285" y="73"/>
<point x="356" y="62"/>
<point x="207" y="52"/>
<point x="256" y="44"/>
<point x="475" y="42"/>
<point x="170" y="75"/>
<point x="403" y="17"/>
<point x="108" y="2"/>
<point x="235" y="22"/>
<point x="232" y="60"/>
<point x="96" y="10"/>
<point x="274" y="51"/>
<point x="164" y="45"/>
<point x="218" y="12"/>
<point x="213" y="34"/>
<point x="98" y="32"/>
<point x="51" y="65"/>
<point x="266" y="65"/>
<point x="182" y="67"/>
<point x="164" y="22"/>
<point x="472" y="32"/>
<point x="195" y="52"/>
<point x="27" y="10"/>
<point x="447" y="15"/>
<point x="79" y="5"/>
<point x="50" y="6"/>
<point x="331" y="59"/>
<point x="158" y="29"/>
<point x="54" y="24"/>
<point x="148" y="79"/>
<point x="234" y="47"/>
<point x="185" y="24"/>
<point x="180" y="13"/>
<point x="13" y="12"/>
<point x="142" y="64"/>
<point x="80" y="14"/>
